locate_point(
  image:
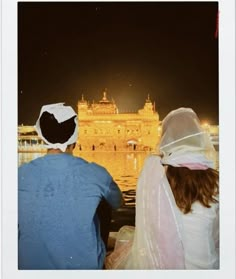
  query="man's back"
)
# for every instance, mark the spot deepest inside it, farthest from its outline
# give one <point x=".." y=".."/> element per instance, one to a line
<point x="58" y="225"/>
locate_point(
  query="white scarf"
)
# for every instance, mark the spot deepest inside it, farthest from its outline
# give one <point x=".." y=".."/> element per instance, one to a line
<point x="61" y="113"/>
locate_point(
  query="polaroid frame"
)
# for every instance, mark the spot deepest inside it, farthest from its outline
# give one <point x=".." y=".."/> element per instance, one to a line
<point x="9" y="156"/>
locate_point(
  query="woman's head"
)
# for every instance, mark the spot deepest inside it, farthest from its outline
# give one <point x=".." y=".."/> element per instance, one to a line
<point x="188" y="154"/>
<point x="184" y="142"/>
<point x="179" y="128"/>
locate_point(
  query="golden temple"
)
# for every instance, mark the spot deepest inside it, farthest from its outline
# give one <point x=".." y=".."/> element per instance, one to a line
<point x="102" y="127"/>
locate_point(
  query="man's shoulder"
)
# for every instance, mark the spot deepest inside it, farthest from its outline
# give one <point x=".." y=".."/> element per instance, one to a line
<point x="98" y="171"/>
<point x="31" y="167"/>
<point x="91" y="165"/>
<point x="31" y="164"/>
<point x="78" y="162"/>
<point x="91" y="170"/>
<point x="98" y="167"/>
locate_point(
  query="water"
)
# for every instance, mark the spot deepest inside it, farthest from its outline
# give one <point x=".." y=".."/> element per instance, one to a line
<point x="124" y="168"/>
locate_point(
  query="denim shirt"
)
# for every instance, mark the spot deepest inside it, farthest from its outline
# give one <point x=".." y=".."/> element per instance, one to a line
<point x="58" y="195"/>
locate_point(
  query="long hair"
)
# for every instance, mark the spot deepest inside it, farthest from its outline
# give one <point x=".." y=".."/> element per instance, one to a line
<point x="189" y="186"/>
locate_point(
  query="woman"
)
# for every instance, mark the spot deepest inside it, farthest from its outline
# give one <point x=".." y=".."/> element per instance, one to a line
<point x="177" y="210"/>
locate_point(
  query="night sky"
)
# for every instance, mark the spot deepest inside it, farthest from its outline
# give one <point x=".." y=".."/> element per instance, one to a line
<point x="166" y="50"/>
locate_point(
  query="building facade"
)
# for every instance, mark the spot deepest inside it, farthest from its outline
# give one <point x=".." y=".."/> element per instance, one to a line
<point x="102" y="127"/>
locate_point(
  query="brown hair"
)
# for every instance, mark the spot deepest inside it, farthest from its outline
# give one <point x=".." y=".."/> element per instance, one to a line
<point x="189" y="186"/>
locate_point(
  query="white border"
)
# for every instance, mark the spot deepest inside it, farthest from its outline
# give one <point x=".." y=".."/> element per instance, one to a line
<point x="9" y="156"/>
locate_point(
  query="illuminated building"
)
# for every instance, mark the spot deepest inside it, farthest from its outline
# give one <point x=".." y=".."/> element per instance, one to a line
<point x="102" y="127"/>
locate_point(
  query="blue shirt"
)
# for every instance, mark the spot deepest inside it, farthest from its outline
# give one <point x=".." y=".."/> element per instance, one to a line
<point x="57" y="201"/>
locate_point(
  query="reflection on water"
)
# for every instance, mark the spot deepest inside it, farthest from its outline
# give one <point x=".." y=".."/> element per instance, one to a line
<point x="124" y="168"/>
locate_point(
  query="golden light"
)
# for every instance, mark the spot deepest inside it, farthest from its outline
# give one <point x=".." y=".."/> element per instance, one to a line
<point x="205" y="124"/>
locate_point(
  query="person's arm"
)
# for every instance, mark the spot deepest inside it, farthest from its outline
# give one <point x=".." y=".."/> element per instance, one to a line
<point x="110" y="190"/>
<point x="113" y="199"/>
<point x="114" y="196"/>
<point x="216" y="230"/>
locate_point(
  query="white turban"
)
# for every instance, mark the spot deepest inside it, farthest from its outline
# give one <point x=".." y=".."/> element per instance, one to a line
<point x="61" y="114"/>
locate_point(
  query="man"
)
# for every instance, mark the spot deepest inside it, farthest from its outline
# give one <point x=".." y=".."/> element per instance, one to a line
<point x="58" y="199"/>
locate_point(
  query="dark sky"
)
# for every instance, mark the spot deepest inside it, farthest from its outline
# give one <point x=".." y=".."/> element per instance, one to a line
<point x="166" y="50"/>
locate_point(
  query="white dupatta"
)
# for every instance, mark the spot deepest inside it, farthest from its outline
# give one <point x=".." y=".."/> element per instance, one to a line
<point x="158" y="234"/>
<point x="157" y="242"/>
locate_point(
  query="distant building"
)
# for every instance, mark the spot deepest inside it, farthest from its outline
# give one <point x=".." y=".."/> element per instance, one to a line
<point x="102" y="127"/>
